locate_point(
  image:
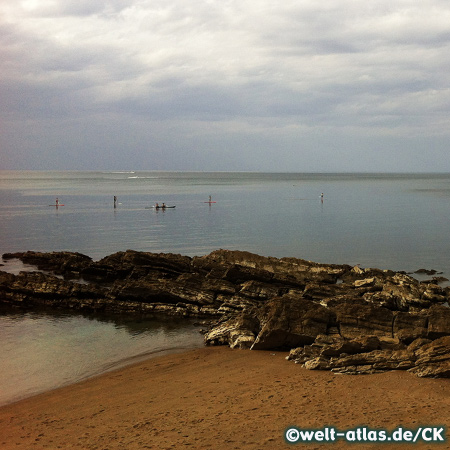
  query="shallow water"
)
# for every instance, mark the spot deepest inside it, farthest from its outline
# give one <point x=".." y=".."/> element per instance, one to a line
<point x="45" y="350"/>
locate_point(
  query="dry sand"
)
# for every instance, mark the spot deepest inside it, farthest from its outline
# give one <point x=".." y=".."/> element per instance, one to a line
<point x="217" y="398"/>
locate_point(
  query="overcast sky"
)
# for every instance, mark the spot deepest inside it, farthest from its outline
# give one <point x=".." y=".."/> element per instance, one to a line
<point x="252" y="85"/>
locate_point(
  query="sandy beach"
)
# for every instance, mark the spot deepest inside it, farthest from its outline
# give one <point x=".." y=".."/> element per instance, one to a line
<point x="218" y="398"/>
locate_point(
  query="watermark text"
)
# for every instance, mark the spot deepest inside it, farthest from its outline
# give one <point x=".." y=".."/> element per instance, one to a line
<point x="436" y="434"/>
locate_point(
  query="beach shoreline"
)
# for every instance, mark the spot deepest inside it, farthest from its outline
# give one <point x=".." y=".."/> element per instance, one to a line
<point x="216" y="397"/>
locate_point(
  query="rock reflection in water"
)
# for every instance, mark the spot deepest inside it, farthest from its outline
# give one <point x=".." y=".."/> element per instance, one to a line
<point x="43" y="350"/>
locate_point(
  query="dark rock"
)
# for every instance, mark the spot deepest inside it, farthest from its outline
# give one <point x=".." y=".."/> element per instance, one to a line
<point x="359" y="318"/>
<point x="291" y="321"/>
<point x="261" y="291"/>
<point x="35" y="288"/>
<point x="285" y="271"/>
<point x="352" y="346"/>
<point x="433" y="359"/>
<point x="408" y="327"/>
<point x="438" y="321"/>
<point x="324" y="292"/>
<point x="60" y="263"/>
<point x="140" y="264"/>
<point x="135" y="265"/>
<point x="426" y="271"/>
<point x="237" y="332"/>
<point x="334" y="317"/>
<point x="416" y="344"/>
<point x="373" y="362"/>
<point x="435" y="280"/>
<point x="326" y="347"/>
<point x="354" y="356"/>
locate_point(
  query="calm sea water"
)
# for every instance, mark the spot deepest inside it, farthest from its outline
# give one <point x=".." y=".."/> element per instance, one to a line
<point x="44" y="350"/>
<point x="390" y="221"/>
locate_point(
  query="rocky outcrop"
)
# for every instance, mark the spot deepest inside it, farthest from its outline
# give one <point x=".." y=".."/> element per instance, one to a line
<point x="433" y="359"/>
<point x="59" y="263"/>
<point x="371" y="354"/>
<point x="289" y="321"/>
<point x="220" y="284"/>
<point x="332" y="317"/>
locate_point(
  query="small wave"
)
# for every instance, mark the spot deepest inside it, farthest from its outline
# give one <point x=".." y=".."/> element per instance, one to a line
<point x="143" y="177"/>
<point x="134" y="359"/>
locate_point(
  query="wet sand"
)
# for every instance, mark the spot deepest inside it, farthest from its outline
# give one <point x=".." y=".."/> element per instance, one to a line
<point x="218" y="398"/>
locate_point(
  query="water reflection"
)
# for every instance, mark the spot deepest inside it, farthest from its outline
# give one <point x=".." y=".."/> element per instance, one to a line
<point x="46" y="349"/>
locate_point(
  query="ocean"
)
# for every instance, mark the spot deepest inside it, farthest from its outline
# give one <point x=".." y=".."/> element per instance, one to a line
<point x="389" y="221"/>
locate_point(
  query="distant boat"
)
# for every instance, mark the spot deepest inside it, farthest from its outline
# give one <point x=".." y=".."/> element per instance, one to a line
<point x="159" y="207"/>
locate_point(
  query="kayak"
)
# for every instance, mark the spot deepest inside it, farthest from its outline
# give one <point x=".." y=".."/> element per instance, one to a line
<point x="159" y="207"/>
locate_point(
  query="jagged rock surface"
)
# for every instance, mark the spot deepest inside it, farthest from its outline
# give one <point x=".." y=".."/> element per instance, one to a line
<point x="333" y="317"/>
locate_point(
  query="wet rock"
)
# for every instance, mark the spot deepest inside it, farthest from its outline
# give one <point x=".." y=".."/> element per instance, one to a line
<point x="59" y="263"/>
<point x="135" y="265"/>
<point x="38" y="289"/>
<point x="426" y="271"/>
<point x="435" y="280"/>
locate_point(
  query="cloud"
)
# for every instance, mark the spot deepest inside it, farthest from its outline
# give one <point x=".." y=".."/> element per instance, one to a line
<point x="212" y="74"/>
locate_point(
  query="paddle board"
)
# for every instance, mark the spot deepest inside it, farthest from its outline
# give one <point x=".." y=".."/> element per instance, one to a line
<point x="59" y="204"/>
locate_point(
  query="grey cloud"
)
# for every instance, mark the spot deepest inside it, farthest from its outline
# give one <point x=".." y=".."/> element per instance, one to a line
<point x="79" y="8"/>
<point x="210" y="74"/>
